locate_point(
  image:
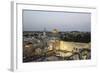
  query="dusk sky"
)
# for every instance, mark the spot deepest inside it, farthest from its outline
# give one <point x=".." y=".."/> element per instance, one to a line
<point x="63" y="21"/>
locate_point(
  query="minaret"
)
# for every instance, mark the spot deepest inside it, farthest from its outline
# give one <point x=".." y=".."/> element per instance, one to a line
<point x="44" y="38"/>
<point x="44" y="32"/>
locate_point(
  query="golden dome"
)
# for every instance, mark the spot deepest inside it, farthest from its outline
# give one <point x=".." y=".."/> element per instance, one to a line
<point x="55" y="31"/>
